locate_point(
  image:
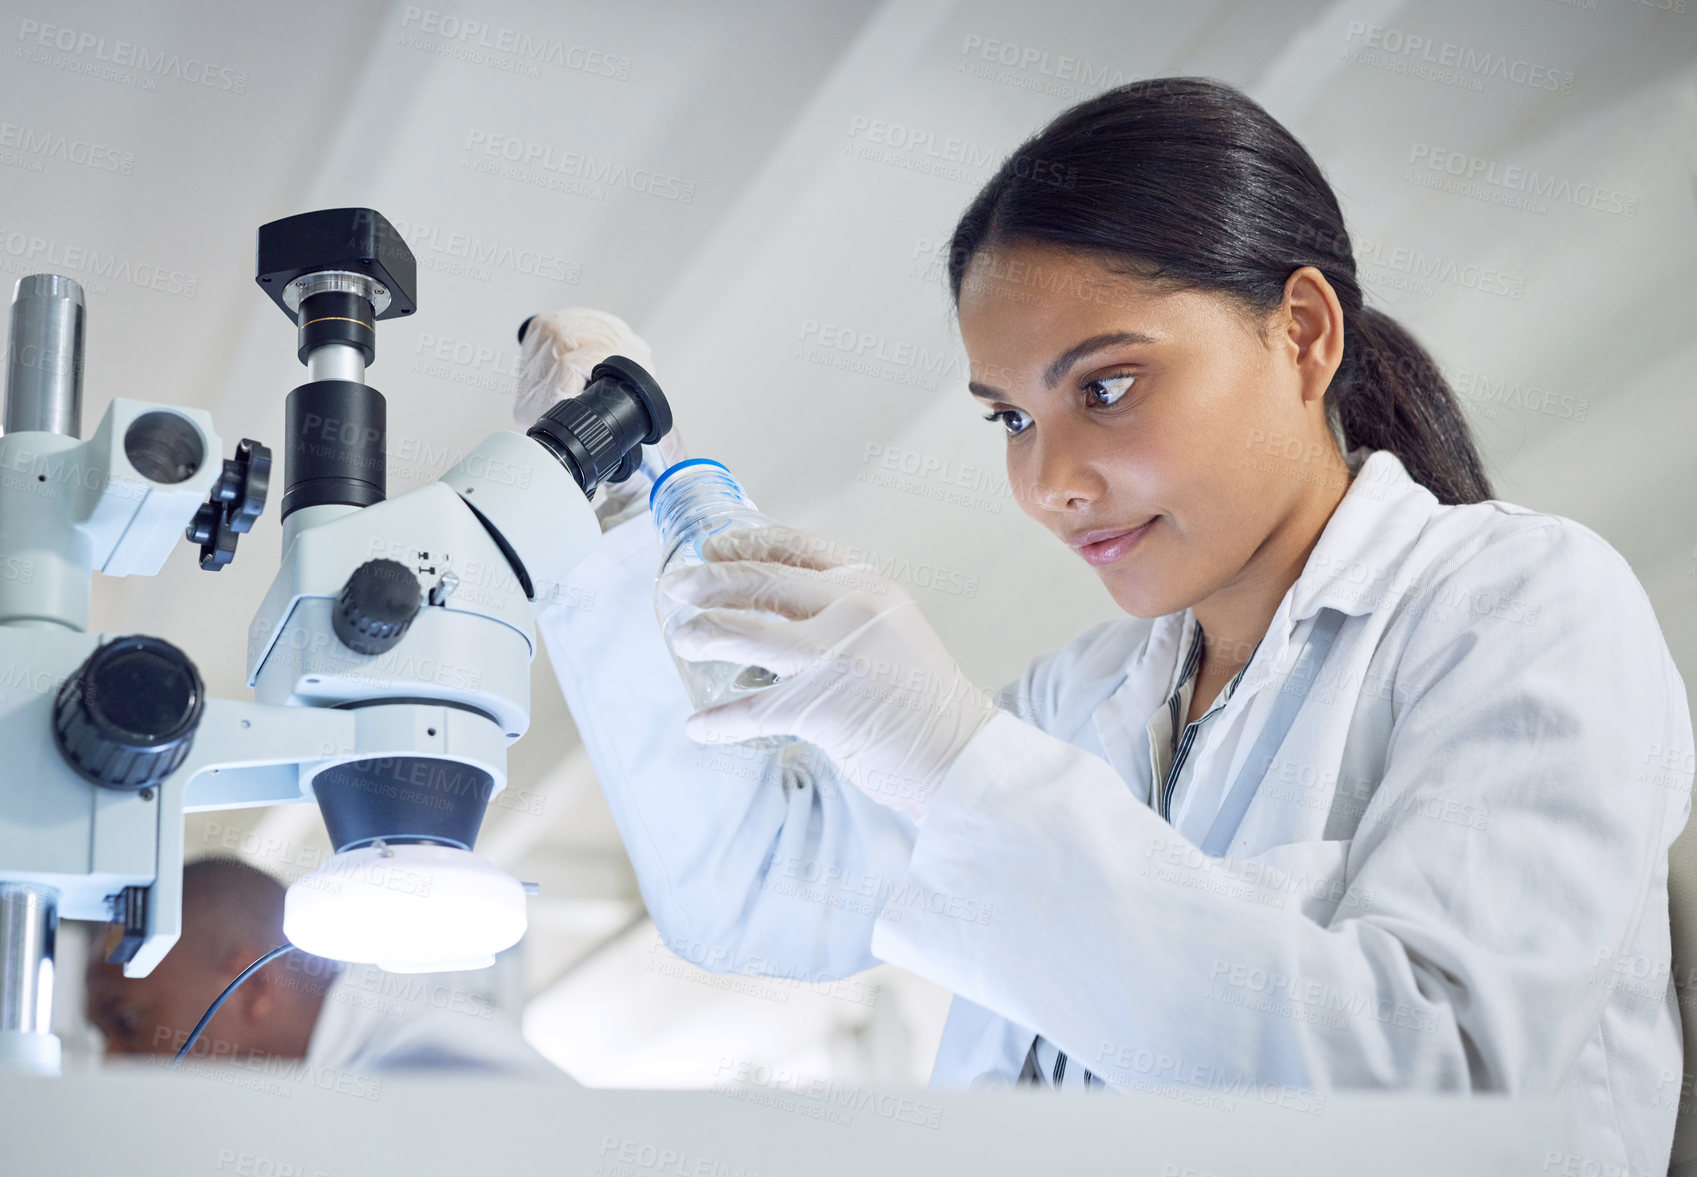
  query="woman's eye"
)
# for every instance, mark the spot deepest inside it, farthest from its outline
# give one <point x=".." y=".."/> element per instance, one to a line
<point x="1008" y="419"/>
<point x="1106" y="390"/>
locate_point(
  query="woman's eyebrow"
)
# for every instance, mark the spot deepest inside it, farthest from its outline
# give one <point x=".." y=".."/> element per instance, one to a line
<point x="1063" y="363"/>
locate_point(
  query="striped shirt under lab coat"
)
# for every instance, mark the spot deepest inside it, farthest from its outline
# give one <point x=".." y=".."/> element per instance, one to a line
<point x="1169" y="755"/>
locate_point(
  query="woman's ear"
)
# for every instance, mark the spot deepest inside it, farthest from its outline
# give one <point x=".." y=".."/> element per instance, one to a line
<point x="1313" y="323"/>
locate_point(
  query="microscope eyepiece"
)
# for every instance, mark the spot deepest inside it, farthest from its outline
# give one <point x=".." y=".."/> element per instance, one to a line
<point x="598" y="435"/>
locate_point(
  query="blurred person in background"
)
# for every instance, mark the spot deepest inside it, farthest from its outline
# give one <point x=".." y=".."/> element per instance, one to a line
<point x="346" y="1018"/>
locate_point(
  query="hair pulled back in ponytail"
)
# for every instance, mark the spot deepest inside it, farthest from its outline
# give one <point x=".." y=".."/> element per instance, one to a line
<point x="1191" y="184"/>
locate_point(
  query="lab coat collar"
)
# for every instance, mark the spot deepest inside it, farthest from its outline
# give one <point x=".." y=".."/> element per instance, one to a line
<point x="1354" y="567"/>
<point x="1357" y="565"/>
<point x="1360" y="562"/>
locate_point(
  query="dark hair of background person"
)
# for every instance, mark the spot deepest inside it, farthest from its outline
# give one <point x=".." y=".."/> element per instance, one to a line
<point x="1187" y="182"/>
<point x="244" y="904"/>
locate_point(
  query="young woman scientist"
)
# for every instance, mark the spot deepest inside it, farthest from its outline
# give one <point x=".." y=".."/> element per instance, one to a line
<point x="1372" y="787"/>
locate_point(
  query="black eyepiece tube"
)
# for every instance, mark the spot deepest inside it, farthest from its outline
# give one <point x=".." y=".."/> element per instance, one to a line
<point x="337" y="316"/>
<point x="598" y="435"/>
<point x="336" y="431"/>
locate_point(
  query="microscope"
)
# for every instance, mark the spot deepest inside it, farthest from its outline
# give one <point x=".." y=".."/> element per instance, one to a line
<point x="389" y="661"/>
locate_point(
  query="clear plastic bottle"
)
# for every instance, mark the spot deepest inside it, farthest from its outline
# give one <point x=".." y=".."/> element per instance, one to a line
<point x="690" y="501"/>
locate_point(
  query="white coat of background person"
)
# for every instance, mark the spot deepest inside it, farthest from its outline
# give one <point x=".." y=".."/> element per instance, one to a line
<point x="1436" y="880"/>
<point x="300" y="1018"/>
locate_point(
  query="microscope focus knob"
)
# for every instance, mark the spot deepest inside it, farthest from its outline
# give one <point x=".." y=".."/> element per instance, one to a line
<point x="376" y="606"/>
<point x="127" y="717"/>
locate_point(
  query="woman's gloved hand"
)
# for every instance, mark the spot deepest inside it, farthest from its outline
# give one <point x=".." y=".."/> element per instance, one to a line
<point x="559" y="351"/>
<point x="863" y="676"/>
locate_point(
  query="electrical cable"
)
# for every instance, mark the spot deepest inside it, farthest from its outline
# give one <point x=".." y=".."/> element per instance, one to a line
<point x="253" y="968"/>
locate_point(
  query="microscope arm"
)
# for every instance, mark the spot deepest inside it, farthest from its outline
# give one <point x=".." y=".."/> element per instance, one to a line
<point x="531" y="525"/>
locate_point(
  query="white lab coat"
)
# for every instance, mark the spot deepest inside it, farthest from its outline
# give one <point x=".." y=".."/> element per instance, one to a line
<point x="1453" y="876"/>
<point x="377" y="1024"/>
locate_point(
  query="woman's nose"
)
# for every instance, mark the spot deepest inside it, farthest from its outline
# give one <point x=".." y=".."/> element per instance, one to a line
<point x="1061" y="481"/>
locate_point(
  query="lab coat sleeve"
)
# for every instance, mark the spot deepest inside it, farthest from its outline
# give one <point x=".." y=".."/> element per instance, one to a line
<point x="1462" y="955"/>
<point x="749" y="861"/>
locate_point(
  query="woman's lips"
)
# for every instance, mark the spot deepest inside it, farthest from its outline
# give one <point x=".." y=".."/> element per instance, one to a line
<point x="1107" y="546"/>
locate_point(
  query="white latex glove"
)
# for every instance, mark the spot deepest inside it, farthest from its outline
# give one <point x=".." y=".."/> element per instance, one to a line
<point x="559" y="351"/>
<point x="863" y="676"/>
